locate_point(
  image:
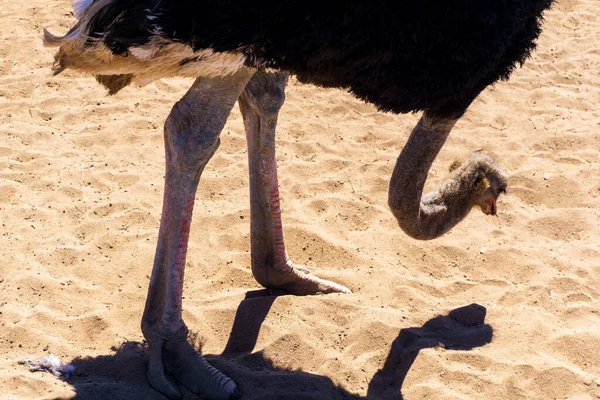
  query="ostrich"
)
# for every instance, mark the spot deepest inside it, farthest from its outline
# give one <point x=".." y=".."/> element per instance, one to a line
<point x="402" y="56"/>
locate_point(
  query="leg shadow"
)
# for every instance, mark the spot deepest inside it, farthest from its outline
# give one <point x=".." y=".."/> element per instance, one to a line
<point x="116" y="376"/>
<point x="250" y="315"/>
<point x="122" y="375"/>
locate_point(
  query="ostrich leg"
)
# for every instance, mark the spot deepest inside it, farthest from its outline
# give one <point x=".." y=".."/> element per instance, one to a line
<point x="260" y="103"/>
<point x="477" y="182"/>
<point x="191" y="138"/>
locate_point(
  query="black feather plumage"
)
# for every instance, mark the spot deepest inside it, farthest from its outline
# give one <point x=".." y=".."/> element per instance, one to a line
<point x="402" y="55"/>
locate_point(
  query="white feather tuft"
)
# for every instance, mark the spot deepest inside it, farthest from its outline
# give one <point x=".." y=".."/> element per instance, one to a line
<point x="142" y="53"/>
<point x="51" y="364"/>
<point x="80" y="6"/>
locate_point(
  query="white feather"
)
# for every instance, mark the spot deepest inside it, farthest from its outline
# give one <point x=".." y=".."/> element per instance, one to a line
<point x="51" y="364"/>
<point x="143" y="53"/>
<point x="80" y="6"/>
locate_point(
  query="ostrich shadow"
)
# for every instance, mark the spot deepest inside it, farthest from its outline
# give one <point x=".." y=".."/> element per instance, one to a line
<point x="122" y="375"/>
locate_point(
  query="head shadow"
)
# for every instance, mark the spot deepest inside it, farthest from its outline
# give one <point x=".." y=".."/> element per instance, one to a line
<point x="121" y="375"/>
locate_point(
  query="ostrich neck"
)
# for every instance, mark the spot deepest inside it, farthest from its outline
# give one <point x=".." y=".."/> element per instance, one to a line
<point x="432" y="215"/>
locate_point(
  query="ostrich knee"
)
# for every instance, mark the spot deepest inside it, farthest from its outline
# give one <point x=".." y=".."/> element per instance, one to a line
<point x="265" y="93"/>
<point x="189" y="147"/>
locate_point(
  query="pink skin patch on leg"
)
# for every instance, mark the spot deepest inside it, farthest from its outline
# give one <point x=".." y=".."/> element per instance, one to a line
<point x="174" y="306"/>
<point x="281" y="258"/>
<point x="184" y="231"/>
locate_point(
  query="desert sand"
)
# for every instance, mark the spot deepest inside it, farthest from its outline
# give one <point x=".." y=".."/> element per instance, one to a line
<point x="81" y="178"/>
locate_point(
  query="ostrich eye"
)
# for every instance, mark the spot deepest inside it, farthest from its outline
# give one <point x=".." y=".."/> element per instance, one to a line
<point x="481" y="183"/>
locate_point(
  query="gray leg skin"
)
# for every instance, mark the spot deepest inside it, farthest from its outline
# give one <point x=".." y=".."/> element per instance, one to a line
<point x="260" y="103"/>
<point x="191" y="138"/>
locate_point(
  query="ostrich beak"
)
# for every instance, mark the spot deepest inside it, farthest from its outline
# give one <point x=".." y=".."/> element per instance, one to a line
<point x="491" y="208"/>
<point x="488" y="202"/>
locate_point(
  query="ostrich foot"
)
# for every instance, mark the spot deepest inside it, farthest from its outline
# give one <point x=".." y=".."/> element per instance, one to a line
<point x="188" y="368"/>
<point x="297" y="280"/>
<point x="302" y="268"/>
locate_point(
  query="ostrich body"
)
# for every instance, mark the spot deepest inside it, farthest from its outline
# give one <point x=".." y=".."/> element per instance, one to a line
<point x="402" y="56"/>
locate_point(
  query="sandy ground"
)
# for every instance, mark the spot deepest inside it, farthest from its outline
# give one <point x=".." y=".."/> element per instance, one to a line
<point x="81" y="178"/>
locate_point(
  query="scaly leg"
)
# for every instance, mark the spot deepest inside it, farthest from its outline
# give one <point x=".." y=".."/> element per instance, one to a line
<point x="260" y="103"/>
<point x="191" y="138"/>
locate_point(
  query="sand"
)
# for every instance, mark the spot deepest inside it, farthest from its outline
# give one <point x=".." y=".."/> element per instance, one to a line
<point x="81" y="178"/>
